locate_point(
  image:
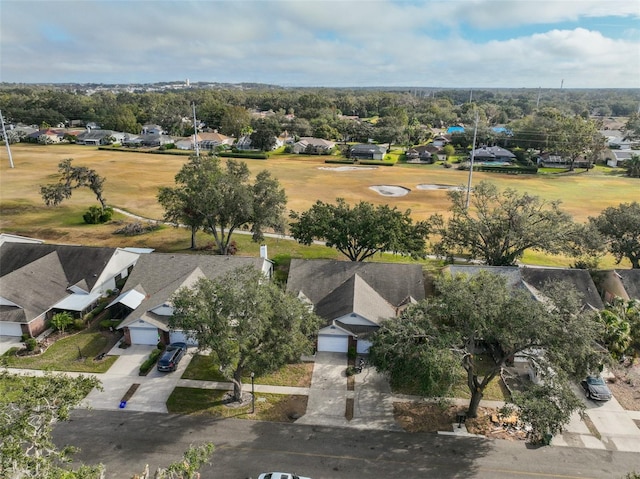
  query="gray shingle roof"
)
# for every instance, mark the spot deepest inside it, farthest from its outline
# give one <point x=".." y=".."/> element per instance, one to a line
<point x="392" y="281"/>
<point x="159" y="276"/>
<point x="80" y="263"/>
<point x="522" y="277"/>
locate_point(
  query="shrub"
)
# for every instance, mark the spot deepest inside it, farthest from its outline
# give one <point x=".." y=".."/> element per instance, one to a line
<point x="146" y="366"/>
<point x="79" y="324"/>
<point x="351" y="371"/>
<point x="137" y="228"/>
<point x="30" y="344"/>
<point x="61" y="321"/>
<point x="96" y="215"/>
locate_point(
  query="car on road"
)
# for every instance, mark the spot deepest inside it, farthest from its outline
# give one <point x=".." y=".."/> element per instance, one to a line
<point x="595" y="388"/>
<point x="171" y="357"/>
<point x="280" y="475"/>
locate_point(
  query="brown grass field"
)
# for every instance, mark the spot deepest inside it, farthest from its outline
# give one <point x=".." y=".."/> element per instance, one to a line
<point x="133" y="180"/>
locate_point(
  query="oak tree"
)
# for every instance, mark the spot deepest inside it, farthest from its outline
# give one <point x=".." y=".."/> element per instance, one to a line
<point x="620" y="226"/>
<point x="480" y="323"/>
<point x="499" y="226"/>
<point x="361" y="231"/>
<point x="222" y="200"/>
<point x="249" y="323"/>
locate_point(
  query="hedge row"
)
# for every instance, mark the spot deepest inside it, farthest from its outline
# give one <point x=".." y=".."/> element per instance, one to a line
<point x="146" y="366"/>
<point x="153" y="152"/>
<point x="376" y="162"/>
<point x="511" y="170"/>
<point x="239" y="154"/>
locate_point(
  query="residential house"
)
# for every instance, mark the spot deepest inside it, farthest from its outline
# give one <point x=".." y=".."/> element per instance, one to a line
<point x="313" y="146"/>
<point x="46" y="136"/>
<point x="424" y="154"/>
<point x="152" y="129"/>
<point x="367" y="151"/>
<point x="440" y="141"/>
<point x="554" y="160"/>
<point x="492" y="154"/>
<point x="353" y="297"/>
<point x="38" y="280"/>
<point x="244" y="143"/>
<point x="210" y="140"/>
<point x="98" y="137"/>
<point x="188" y="143"/>
<point x="156" y="278"/>
<point x="535" y="279"/>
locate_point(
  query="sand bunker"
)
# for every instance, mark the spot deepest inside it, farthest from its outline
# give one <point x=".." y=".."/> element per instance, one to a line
<point x="347" y="168"/>
<point x="440" y="187"/>
<point x="389" y="190"/>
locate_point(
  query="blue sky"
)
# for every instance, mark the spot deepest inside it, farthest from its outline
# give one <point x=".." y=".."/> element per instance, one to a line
<point x="331" y="43"/>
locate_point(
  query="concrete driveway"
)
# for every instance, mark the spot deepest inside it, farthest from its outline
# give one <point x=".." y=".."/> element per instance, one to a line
<point x="615" y="425"/>
<point x="8" y="342"/>
<point x="328" y="394"/>
<point x="147" y="393"/>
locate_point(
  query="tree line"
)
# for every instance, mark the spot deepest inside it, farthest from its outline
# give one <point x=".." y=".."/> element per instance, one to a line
<point x="398" y="116"/>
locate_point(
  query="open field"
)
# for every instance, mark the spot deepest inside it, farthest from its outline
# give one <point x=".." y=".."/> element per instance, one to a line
<point x="133" y="180"/>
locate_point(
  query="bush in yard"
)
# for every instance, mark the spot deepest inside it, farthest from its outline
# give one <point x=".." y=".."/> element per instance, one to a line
<point x="96" y="215"/>
<point x="79" y="324"/>
<point x="30" y="344"/>
<point x="61" y="321"/>
<point x="146" y="366"/>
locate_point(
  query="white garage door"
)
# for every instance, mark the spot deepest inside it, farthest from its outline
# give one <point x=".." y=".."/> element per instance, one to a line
<point x="181" y="337"/>
<point x="144" y="336"/>
<point x="10" y="329"/>
<point x="333" y="343"/>
<point x="363" y="346"/>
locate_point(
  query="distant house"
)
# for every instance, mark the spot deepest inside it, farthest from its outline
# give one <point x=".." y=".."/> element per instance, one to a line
<point x="46" y="136"/>
<point x="491" y="154"/>
<point x="554" y="160"/>
<point x="367" y="151"/>
<point x="424" y="154"/>
<point x="440" y="141"/>
<point x="353" y="297"/>
<point x="244" y="143"/>
<point x="151" y="129"/>
<point x="313" y="146"/>
<point x="187" y="143"/>
<point x="534" y="279"/>
<point x="153" y="139"/>
<point x="38" y="280"/>
<point x="620" y="157"/>
<point x="156" y="278"/>
<point x="211" y="140"/>
<point x="98" y="137"/>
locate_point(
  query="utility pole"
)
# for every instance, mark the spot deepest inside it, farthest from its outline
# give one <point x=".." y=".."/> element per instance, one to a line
<point x="6" y="140"/>
<point x="473" y="154"/>
<point x="195" y="131"/>
<point x="538" y="100"/>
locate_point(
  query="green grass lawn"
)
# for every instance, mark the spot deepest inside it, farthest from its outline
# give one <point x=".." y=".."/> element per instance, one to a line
<point x="268" y="407"/>
<point x="206" y="368"/>
<point x="64" y="354"/>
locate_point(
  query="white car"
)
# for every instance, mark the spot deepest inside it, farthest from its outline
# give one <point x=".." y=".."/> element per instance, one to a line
<point x="280" y="475"/>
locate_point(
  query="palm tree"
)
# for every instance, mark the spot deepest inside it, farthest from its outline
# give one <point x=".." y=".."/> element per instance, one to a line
<point x="632" y="165"/>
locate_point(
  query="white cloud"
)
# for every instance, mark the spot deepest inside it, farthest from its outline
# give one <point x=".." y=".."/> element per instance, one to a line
<point x="322" y="42"/>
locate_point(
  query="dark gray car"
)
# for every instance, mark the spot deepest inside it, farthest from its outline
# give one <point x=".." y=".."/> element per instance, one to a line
<point x="171" y="357"/>
<point x="595" y="388"/>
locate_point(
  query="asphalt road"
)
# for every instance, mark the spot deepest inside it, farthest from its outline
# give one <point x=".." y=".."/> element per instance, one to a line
<point x="125" y="441"/>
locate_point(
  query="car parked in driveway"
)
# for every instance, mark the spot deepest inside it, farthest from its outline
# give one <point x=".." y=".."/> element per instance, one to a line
<point x="280" y="475"/>
<point x="595" y="388"/>
<point x="171" y="357"/>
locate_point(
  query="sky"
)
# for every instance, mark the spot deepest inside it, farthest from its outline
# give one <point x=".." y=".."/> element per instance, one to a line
<point x="324" y="43"/>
